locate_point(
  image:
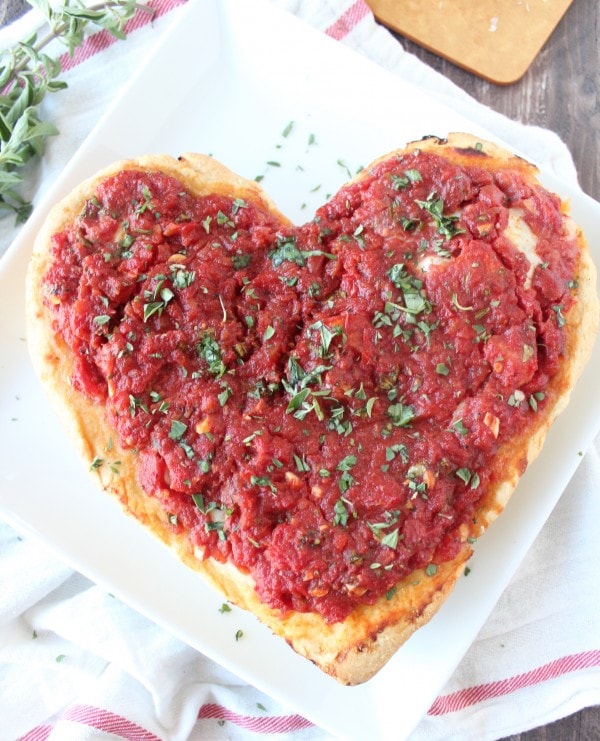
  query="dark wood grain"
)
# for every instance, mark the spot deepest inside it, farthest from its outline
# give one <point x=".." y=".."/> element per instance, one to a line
<point x="560" y="91"/>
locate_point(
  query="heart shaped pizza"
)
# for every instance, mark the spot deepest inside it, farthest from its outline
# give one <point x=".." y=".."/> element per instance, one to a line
<point x="321" y="419"/>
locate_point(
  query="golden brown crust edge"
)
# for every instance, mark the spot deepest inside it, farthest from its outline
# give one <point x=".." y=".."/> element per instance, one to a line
<point x="356" y="649"/>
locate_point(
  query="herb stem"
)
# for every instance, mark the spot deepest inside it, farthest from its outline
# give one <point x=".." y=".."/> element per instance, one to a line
<point x="27" y="74"/>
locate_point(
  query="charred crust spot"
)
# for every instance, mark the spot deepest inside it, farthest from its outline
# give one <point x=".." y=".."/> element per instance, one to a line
<point x="475" y="151"/>
<point x="438" y="139"/>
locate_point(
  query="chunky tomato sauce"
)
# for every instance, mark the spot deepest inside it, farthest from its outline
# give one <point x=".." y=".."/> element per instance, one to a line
<point x="318" y="404"/>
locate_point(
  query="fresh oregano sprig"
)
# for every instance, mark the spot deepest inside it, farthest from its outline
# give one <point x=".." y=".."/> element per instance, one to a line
<point x="27" y="73"/>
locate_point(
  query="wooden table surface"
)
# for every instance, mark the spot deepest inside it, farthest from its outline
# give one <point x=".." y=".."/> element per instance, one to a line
<point x="560" y="91"/>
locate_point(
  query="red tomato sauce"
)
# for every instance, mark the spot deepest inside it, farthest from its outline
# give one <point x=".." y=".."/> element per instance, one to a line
<point x="318" y="404"/>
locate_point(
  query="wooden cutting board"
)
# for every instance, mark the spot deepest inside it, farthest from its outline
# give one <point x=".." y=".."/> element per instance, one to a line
<point x="495" y="39"/>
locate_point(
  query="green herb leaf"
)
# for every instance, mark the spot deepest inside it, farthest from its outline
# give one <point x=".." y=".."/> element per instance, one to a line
<point x="263" y="481"/>
<point x="287" y="251"/>
<point x="340" y="516"/>
<point x="560" y="320"/>
<point x="209" y="350"/>
<point x="459" y="426"/>
<point x="27" y="74"/>
<point x="401" y="414"/>
<point x="177" y="430"/>
<point x="401" y="182"/>
<point x="446" y="224"/>
<point x="390" y="539"/>
<point x="269" y="332"/>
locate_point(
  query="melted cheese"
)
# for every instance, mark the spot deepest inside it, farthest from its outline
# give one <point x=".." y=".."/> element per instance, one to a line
<point x="524" y="240"/>
<point x="428" y="260"/>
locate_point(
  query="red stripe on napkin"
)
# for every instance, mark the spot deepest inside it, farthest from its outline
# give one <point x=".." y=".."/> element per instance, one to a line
<point x="472" y="695"/>
<point x="348" y="20"/>
<point x="101" y="40"/>
<point x="98" y="718"/>
<point x="268" y="724"/>
<point x="40" y="733"/>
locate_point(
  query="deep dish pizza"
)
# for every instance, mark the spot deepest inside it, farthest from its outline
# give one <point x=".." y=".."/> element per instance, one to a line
<point x="321" y="419"/>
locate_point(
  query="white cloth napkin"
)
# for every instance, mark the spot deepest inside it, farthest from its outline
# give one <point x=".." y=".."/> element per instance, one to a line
<point x="76" y="663"/>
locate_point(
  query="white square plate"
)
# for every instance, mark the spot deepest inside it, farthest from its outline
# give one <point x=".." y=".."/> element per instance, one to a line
<point x="235" y="74"/>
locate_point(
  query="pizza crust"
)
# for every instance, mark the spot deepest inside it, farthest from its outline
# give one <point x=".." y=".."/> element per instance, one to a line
<point x="353" y="650"/>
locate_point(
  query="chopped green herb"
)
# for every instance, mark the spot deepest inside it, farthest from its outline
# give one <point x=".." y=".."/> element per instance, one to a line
<point x="346" y="479"/>
<point x="223" y="395"/>
<point x="263" y="481"/>
<point x="269" y="332"/>
<point x="401" y="182"/>
<point x="217" y="527"/>
<point x="410" y="225"/>
<point x="135" y="404"/>
<point x="460" y="427"/>
<point x="205" y="508"/>
<point x="154" y="304"/>
<point x="287" y="251"/>
<point x="340" y="510"/>
<point x="401" y="414"/>
<point x="301" y="464"/>
<point x="237" y="204"/>
<point x="560" y="320"/>
<point x="390" y="539"/>
<point x="147" y="201"/>
<point x="223" y="219"/>
<point x="96" y="463"/>
<point x="297" y="400"/>
<point x="446" y="224"/>
<point x="343" y="165"/>
<point x="466" y="475"/>
<point x="516" y="398"/>
<point x="177" y="430"/>
<point x="377" y="528"/>
<point x="534" y="398"/>
<point x="209" y="350"/>
<point x="181" y="277"/>
<point x="358" y="235"/>
<point x="326" y="335"/>
<point x="397" y="449"/>
<point x="346" y="463"/>
<point x="240" y="261"/>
